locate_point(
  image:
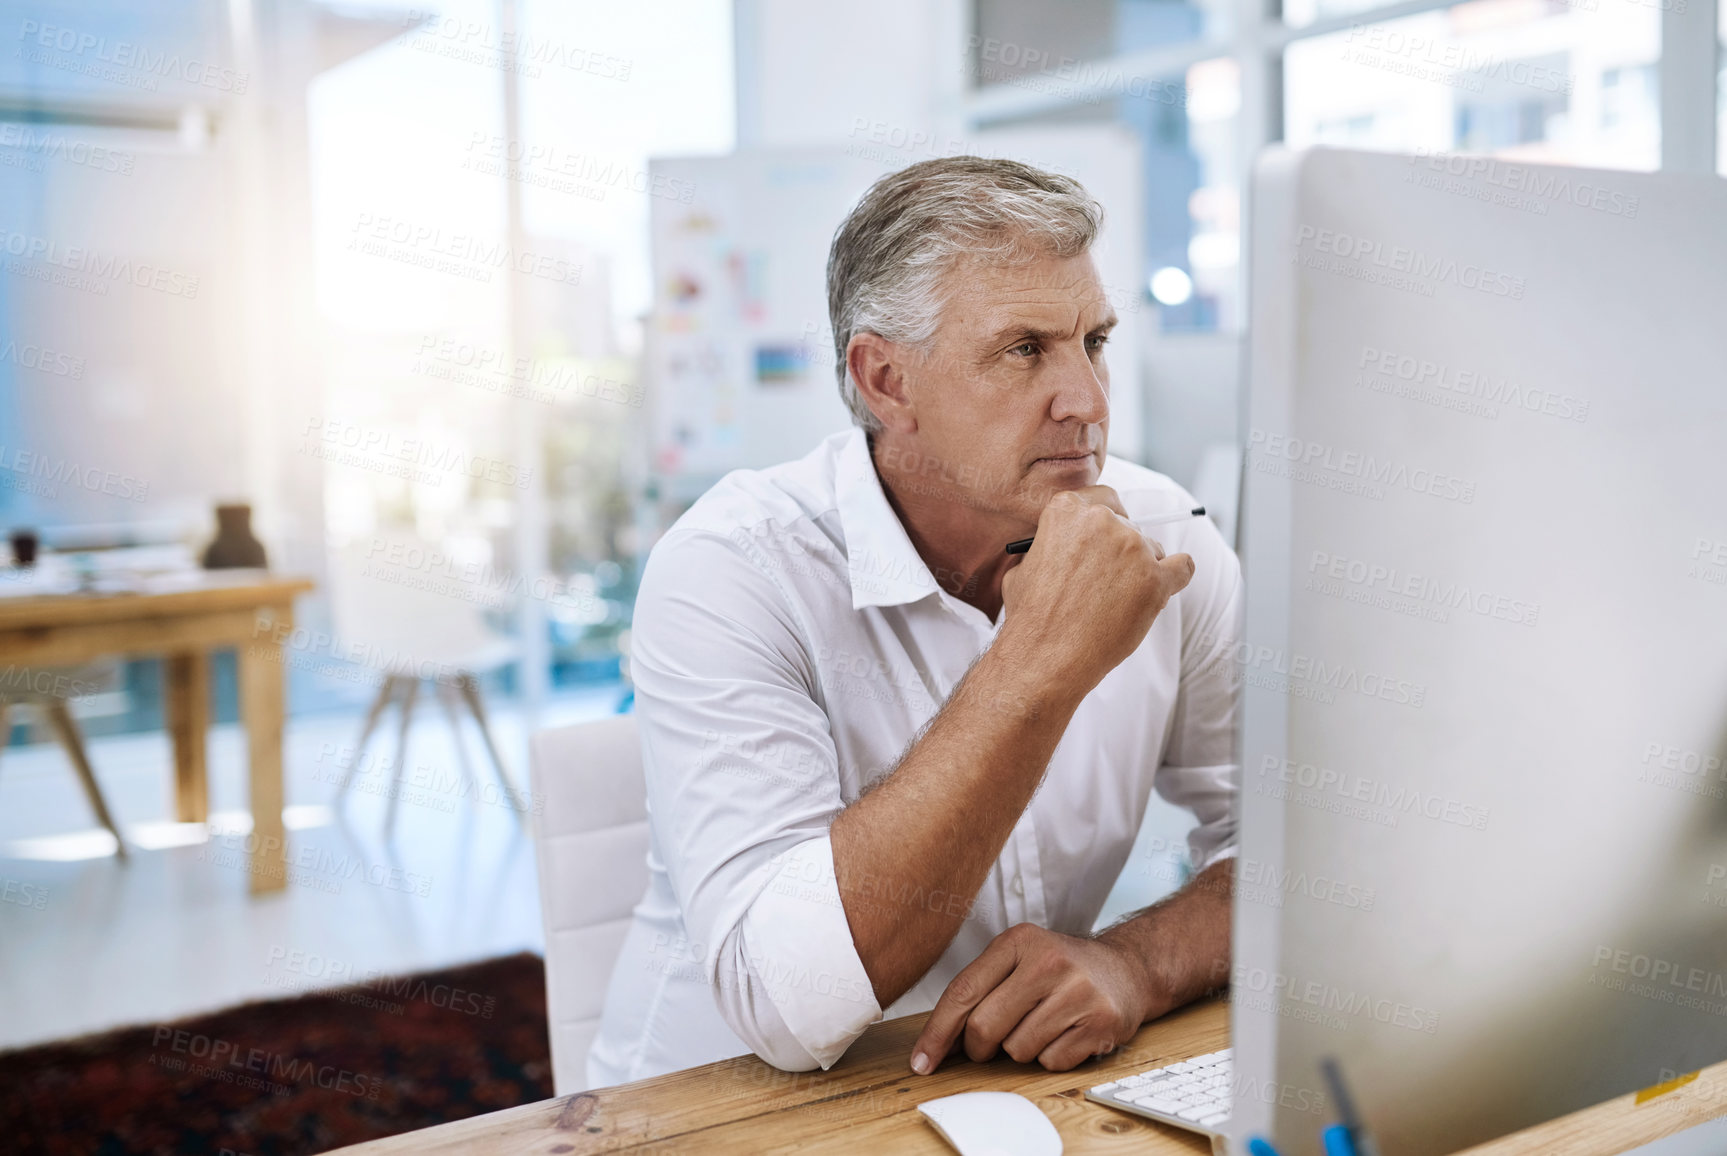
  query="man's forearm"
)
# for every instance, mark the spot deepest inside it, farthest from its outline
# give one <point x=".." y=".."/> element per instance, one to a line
<point x="1181" y="943"/>
<point x="910" y="856"/>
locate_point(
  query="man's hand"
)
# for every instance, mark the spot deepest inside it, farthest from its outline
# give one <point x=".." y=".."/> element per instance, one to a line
<point x="1089" y="589"/>
<point x="1060" y="1000"/>
<point x="1040" y="995"/>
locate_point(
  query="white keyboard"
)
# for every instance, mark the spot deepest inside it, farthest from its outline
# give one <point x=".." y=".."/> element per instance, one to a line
<point x="1193" y="1094"/>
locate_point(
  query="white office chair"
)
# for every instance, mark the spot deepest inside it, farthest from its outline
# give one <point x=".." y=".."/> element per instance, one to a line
<point x="430" y="629"/>
<point x="592" y="853"/>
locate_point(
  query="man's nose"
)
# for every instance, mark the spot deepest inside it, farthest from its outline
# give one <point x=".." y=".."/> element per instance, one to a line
<point x="1081" y="392"/>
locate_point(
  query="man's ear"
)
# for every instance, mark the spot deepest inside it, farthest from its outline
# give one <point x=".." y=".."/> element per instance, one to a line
<point x="876" y="364"/>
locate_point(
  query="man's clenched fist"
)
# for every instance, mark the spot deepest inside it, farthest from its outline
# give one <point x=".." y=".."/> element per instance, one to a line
<point x="1089" y="589"/>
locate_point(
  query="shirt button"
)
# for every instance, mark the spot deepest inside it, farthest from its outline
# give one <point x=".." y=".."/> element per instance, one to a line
<point x="1018" y="885"/>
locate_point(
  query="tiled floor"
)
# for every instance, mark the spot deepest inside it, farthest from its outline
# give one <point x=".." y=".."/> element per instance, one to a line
<point x="88" y="943"/>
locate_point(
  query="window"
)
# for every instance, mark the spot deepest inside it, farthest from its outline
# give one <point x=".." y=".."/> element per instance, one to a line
<point x="1541" y="81"/>
<point x="1576" y="82"/>
<point x="414" y="167"/>
<point x="1213" y="219"/>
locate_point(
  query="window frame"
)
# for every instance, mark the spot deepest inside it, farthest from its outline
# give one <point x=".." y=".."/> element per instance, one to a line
<point x="1686" y="76"/>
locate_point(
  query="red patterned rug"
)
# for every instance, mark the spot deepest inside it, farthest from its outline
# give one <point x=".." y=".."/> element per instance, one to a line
<point x="292" y="1076"/>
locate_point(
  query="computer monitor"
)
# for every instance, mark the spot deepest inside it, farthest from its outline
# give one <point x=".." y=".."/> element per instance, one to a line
<point x="1484" y="750"/>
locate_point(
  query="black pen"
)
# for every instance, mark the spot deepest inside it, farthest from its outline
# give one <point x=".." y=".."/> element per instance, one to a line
<point x="1024" y="544"/>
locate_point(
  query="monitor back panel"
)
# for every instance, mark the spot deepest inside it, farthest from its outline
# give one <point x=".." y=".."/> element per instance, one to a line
<point x="1484" y="767"/>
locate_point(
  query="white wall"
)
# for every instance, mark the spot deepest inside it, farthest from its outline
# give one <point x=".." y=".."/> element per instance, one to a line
<point x="810" y="73"/>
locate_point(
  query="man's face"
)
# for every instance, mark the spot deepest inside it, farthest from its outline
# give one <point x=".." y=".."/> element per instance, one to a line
<point x="1013" y="400"/>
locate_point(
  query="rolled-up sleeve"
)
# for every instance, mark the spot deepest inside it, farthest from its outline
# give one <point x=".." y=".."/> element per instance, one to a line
<point x="1200" y="769"/>
<point x="743" y="783"/>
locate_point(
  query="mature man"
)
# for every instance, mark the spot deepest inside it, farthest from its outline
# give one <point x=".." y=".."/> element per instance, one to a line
<point x="890" y="766"/>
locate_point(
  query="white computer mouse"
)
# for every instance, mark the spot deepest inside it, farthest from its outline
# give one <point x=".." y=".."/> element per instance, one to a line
<point x="993" y="1124"/>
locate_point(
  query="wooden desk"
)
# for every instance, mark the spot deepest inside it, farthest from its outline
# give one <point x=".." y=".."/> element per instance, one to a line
<point x="865" y="1103"/>
<point x="246" y="609"/>
<point x="868" y="1103"/>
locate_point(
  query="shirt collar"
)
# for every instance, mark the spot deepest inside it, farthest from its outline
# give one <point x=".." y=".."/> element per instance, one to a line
<point x="886" y="569"/>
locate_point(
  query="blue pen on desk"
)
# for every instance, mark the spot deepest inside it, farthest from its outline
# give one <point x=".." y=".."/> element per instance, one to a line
<point x="1337" y="1141"/>
<point x="1347" y="1138"/>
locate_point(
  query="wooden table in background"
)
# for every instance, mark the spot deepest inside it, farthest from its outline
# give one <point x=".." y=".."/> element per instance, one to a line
<point x="868" y="1103"/>
<point x="245" y="609"/>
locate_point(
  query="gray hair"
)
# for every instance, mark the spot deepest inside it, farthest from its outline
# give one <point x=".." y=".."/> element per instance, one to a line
<point x="912" y="226"/>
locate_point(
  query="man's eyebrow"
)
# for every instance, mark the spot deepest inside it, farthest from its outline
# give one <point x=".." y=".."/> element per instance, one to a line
<point x="1023" y="331"/>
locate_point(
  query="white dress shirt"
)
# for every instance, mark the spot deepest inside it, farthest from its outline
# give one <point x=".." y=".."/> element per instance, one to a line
<point x="789" y="642"/>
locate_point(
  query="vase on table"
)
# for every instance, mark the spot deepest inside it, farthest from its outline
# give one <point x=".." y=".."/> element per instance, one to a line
<point x="234" y="546"/>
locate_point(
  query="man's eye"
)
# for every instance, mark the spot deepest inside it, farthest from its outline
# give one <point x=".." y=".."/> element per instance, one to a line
<point x="1098" y="340"/>
<point x="1025" y="349"/>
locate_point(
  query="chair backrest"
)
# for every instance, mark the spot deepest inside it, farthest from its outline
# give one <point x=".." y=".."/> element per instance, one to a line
<point x="592" y="852"/>
<point x="389" y="593"/>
